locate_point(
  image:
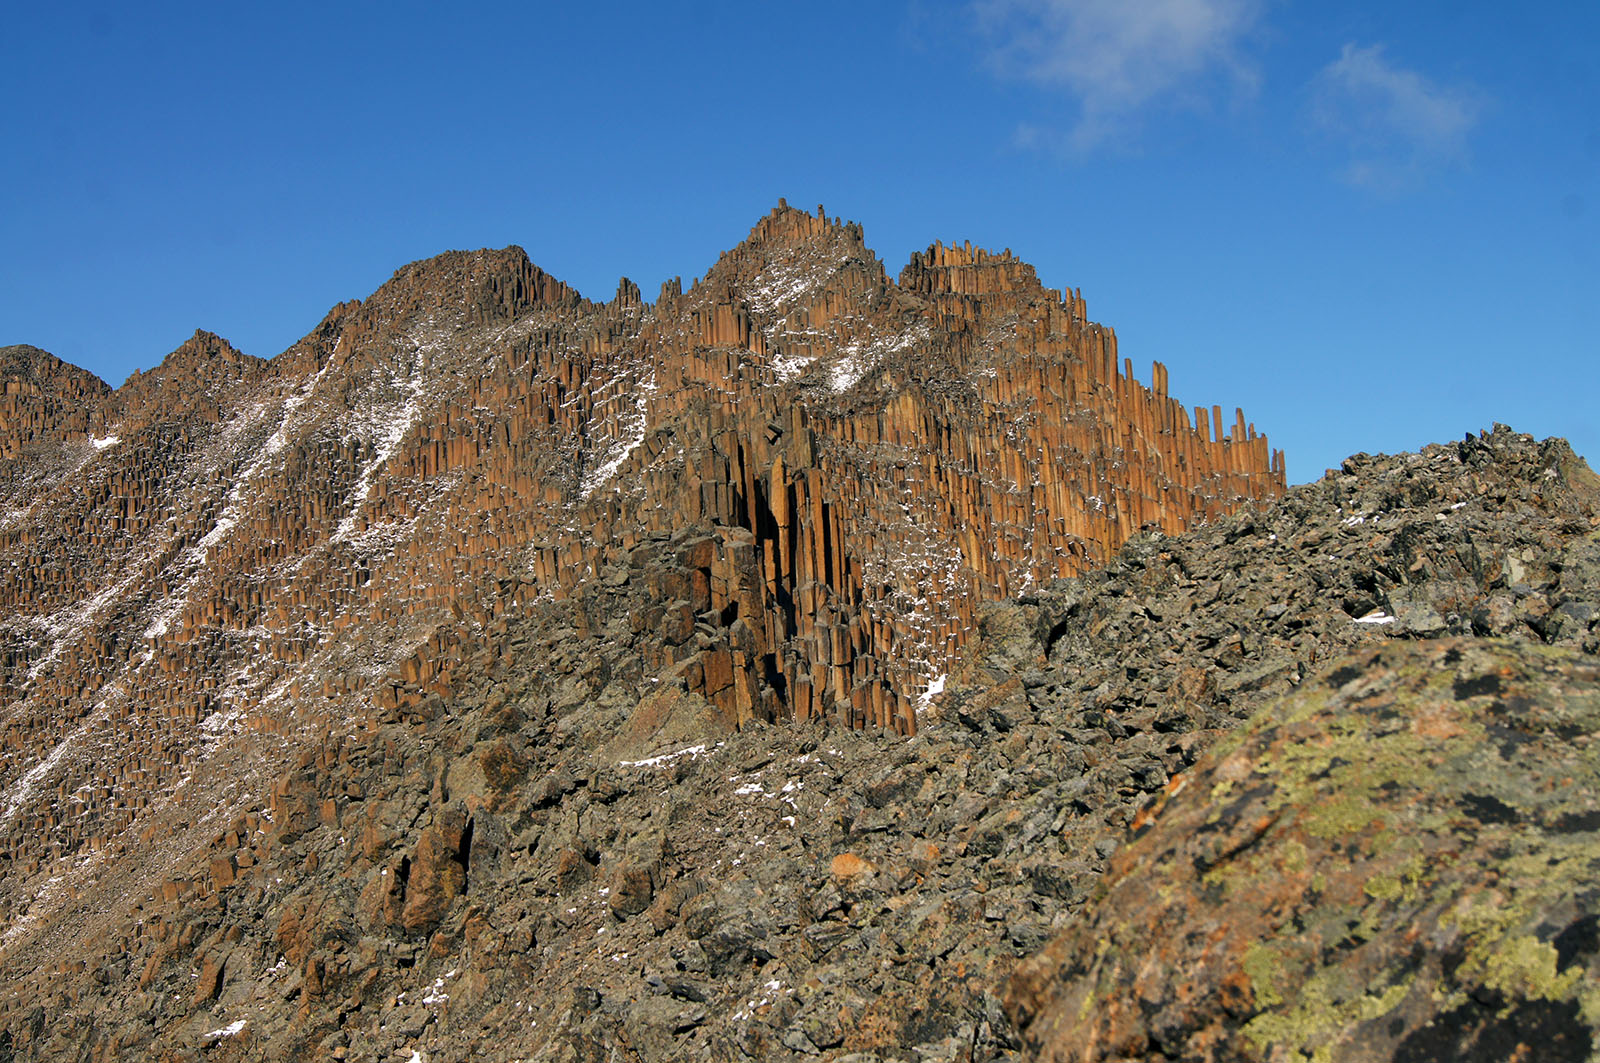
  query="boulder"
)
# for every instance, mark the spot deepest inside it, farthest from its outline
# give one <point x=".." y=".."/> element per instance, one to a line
<point x="1397" y="862"/>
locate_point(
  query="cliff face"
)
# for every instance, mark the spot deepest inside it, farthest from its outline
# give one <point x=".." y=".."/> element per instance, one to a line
<point x="245" y="540"/>
<point x="540" y="862"/>
<point x="781" y="495"/>
<point x="44" y="400"/>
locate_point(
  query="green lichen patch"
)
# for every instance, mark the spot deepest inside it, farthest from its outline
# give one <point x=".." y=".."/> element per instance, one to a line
<point x="1361" y="862"/>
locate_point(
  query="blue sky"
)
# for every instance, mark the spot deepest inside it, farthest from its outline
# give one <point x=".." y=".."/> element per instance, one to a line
<point x="1372" y="225"/>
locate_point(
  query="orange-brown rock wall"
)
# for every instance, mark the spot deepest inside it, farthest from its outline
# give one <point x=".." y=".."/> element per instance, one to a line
<point x="844" y="466"/>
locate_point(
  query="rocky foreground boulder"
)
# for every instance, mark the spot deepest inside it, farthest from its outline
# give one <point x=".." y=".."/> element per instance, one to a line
<point x="1399" y="861"/>
<point x="534" y="867"/>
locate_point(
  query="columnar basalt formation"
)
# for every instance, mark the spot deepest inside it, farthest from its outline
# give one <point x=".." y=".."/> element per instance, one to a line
<point x="898" y="452"/>
<point x="799" y="477"/>
<point x="552" y="851"/>
<point x="43" y="401"/>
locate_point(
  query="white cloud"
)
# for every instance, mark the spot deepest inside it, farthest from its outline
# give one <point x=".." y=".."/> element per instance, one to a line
<point x="1116" y="56"/>
<point x="1396" y="122"/>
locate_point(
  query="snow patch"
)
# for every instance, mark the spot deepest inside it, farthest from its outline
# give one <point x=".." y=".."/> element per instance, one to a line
<point x="858" y="359"/>
<point x="24" y="786"/>
<point x="103" y="442"/>
<point x="219" y="722"/>
<point x="618" y="451"/>
<point x="786" y="284"/>
<point x="276" y="442"/>
<point x="789" y="366"/>
<point x="665" y="758"/>
<point x="73" y="620"/>
<point x="389" y="425"/>
<point x="1377" y="616"/>
<point x="233" y="1029"/>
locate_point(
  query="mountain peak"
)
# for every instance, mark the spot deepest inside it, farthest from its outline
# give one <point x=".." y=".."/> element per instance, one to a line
<point x="44" y="400"/>
<point x="473" y="287"/>
<point x="24" y="366"/>
<point x="794" y="270"/>
<point x="786" y="224"/>
<point x="200" y="361"/>
<point x="782" y="497"/>
<point x="205" y="348"/>
<point x="202" y="374"/>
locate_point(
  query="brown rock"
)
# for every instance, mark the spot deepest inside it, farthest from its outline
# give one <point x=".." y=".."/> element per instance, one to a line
<point x="847" y="866"/>
<point x="222" y="871"/>
<point x="1382" y="866"/>
<point x="209" y="984"/>
<point x="438" y="870"/>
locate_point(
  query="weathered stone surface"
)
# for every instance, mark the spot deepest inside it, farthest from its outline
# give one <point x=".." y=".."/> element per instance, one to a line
<point x="847" y="894"/>
<point x="799" y="477"/>
<point x="1397" y="862"/>
<point x="44" y="402"/>
<point x="512" y="691"/>
<point x="437" y="872"/>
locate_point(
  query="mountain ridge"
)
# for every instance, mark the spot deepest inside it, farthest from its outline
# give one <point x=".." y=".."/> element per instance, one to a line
<point x="435" y="880"/>
<point x="779" y="497"/>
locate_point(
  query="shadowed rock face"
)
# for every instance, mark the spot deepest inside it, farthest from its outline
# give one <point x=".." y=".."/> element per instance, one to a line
<point x="1397" y="862"/>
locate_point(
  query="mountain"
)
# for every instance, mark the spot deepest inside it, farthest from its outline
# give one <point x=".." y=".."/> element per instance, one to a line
<point x="833" y="469"/>
<point x="763" y="671"/>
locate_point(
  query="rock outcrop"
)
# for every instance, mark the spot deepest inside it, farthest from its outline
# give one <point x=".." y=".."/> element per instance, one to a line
<point x="535" y="861"/>
<point x="760" y="672"/>
<point x="1396" y="862"/>
<point x="812" y="473"/>
<point x="44" y="402"/>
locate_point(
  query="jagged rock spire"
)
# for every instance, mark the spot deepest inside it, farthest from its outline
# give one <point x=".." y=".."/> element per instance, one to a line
<point x="783" y="495"/>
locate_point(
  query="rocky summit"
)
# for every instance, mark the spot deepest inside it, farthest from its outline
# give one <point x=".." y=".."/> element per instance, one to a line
<point x="807" y="664"/>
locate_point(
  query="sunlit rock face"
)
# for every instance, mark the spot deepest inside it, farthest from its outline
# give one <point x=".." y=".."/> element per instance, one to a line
<point x="781" y="495"/>
<point x="228" y="544"/>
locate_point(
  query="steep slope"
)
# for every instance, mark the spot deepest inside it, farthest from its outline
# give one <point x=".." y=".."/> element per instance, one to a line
<point x="47" y="425"/>
<point x="554" y="856"/>
<point x="838" y="468"/>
